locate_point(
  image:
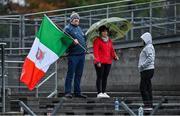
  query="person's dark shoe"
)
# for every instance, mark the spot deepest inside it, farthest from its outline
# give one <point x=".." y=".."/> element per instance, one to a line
<point x="68" y="95"/>
<point x="80" y="96"/>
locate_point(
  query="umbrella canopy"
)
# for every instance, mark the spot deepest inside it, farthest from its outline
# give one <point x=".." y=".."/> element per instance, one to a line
<point x="118" y="27"/>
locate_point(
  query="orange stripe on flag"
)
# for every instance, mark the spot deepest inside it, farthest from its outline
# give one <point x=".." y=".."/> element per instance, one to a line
<point x="30" y="74"/>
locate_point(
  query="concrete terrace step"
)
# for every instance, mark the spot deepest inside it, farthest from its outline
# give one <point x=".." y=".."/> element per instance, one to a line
<point x="93" y="99"/>
<point x="96" y="106"/>
<point x="171" y="99"/>
<point x="113" y="112"/>
<point x="12" y="113"/>
<point x="94" y="94"/>
<point x="168" y="112"/>
<point x="108" y="105"/>
<point x="91" y="112"/>
<point x="80" y="104"/>
<point x="130" y="93"/>
<point x="51" y="102"/>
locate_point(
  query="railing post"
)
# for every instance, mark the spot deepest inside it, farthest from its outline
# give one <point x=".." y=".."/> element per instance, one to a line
<point x="56" y="79"/>
<point x="37" y="92"/>
<point x="26" y="108"/>
<point x="163" y="100"/>
<point x="132" y="21"/>
<point x="90" y="18"/>
<point x="65" y="18"/>
<point x="36" y="25"/>
<point x="10" y="36"/>
<point x="57" y="107"/>
<point x="20" y="28"/>
<point x="142" y="24"/>
<point x="107" y="11"/>
<point x="125" y="106"/>
<point x="150" y="15"/>
<point x="3" y="78"/>
<point x="175" y="16"/>
<point x="23" y="31"/>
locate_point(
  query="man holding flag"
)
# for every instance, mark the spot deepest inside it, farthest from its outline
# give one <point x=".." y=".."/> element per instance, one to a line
<point x="76" y="57"/>
<point x="50" y="43"/>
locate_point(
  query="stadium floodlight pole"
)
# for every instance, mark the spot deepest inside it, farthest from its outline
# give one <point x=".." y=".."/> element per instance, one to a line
<point x="3" y="78"/>
<point x="69" y="36"/>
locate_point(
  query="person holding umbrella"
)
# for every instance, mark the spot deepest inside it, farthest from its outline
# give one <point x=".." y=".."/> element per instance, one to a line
<point x="104" y="53"/>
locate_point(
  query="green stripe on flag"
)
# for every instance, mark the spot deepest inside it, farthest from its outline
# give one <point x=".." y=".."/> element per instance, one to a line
<point x="52" y="37"/>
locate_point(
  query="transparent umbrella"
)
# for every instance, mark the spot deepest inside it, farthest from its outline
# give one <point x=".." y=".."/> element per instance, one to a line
<point x="118" y="27"/>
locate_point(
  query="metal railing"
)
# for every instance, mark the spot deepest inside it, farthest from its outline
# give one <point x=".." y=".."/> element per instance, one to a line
<point x="126" y="108"/>
<point x="12" y="67"/>
<point x="45" y="80"/>
<point x="2" y="45"/>
<point x="132" y="113"/>
<point x="58" y="107"/>
<point x="163" y="100"/>
<point x="156" y="16"/>
<point x="25" y="107"/>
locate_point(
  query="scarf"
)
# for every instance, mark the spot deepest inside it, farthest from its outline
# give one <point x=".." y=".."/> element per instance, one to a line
<point x="105" y="39"/>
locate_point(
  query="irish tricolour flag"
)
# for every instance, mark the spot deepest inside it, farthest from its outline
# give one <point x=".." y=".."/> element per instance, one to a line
<point x="50" y="43"/>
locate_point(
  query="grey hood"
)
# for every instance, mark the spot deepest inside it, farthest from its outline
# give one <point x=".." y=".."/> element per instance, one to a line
<point x="147" y="55"/>
<point x="147" y="38"/>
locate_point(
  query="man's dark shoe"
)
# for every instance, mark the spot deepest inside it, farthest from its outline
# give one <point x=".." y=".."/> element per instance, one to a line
<point x="68" y="95"/>
<point x="80" y="96"/>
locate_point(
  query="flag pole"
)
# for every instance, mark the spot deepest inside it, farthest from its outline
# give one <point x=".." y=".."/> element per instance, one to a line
<point x="68" y="35"/>
<point x="73" y="40"/>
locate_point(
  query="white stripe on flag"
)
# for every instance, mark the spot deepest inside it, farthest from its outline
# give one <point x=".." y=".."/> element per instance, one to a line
<point x="46" y="58"/>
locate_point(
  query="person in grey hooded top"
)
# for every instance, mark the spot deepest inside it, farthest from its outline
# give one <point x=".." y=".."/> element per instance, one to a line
<point x="146" y="69"/>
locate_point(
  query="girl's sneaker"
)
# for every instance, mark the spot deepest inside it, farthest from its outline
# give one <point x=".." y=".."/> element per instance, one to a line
<point x="106" y="95"/>
<point x="100" y="95"/>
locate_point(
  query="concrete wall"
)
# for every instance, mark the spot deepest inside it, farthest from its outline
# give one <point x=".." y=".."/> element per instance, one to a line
<point x="124" y="75"/>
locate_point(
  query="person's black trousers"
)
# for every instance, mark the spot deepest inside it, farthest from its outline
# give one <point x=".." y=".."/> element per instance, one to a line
<point x="102" y="75"/>
<point x="146" y="87"/>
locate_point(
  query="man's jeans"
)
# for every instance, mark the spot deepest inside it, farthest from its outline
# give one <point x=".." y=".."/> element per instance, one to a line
<point x="75" y="70"/>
